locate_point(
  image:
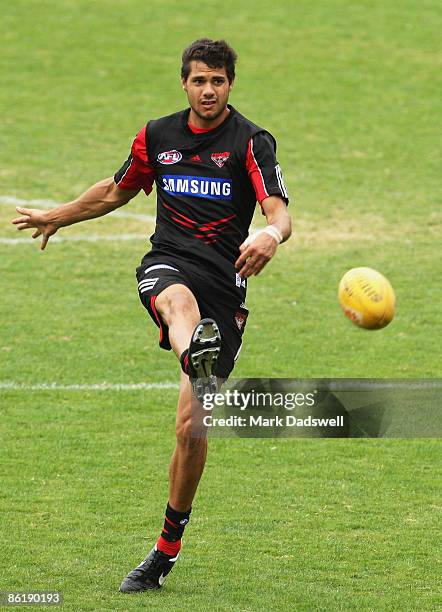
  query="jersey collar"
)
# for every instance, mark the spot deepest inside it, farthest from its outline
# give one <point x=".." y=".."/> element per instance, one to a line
<point x="220" y="127"/>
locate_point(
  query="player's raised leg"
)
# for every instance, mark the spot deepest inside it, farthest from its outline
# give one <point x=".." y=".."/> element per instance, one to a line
<point x="179" y="310"/>
<point x="197" y="343"/>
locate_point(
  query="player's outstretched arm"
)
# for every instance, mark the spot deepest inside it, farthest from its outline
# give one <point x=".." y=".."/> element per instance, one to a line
<point x="260" y="247"/>
<point x="98" y="200"/>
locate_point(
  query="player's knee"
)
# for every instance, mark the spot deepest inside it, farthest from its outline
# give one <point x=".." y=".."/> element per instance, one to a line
<point x="178" y="302"/>
<point x="183" y="302"/>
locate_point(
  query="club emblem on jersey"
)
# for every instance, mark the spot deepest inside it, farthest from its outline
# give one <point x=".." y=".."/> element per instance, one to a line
<point x="169" y="157"/>
<point x="220" y="158"/>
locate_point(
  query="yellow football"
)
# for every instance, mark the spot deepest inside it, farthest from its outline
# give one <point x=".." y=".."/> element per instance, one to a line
<point x="367" y="298"/>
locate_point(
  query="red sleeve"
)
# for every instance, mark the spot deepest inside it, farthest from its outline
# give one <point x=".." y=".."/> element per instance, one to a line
<point x="263" y="169"/>
<point x="136" y="172"/>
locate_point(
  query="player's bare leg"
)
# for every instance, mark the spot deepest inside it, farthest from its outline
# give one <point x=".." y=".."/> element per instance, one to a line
<point x="190" y="452"/>
<point x="196" y="347"/>
<point x="179" y="310"/>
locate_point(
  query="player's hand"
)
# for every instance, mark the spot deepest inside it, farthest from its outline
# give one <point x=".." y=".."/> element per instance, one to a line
<point x="256" y="255"/>
<point x="38" y="219"/>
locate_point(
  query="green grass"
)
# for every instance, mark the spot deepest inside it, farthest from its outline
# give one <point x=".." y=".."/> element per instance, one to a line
<point x="351" y="92"/>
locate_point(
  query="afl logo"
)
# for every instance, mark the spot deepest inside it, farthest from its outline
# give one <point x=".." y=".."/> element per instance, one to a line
<point x="169" y="157"/>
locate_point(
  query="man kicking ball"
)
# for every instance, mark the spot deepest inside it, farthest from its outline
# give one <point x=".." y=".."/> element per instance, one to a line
<point x="210" y="166"/>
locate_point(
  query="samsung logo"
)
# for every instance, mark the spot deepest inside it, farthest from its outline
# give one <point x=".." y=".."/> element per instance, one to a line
<point x="198" y="186"/>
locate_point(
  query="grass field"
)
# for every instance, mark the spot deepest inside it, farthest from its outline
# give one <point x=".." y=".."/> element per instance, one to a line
<point x="351" y="91"/>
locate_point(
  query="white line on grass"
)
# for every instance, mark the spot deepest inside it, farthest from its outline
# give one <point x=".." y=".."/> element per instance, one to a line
<point x="13" y="201"/>
<point x="104" y="386"/>
<point x="360" y="384"/>
<point x="85" y="238"/>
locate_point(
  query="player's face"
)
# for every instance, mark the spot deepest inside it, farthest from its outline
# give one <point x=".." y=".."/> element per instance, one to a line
<point x="208" y="91"/>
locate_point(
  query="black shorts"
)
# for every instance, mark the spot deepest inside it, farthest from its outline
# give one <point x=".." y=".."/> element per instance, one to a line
<point x="220" y="296"/>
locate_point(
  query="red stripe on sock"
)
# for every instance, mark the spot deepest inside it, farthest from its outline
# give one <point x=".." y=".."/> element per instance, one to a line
<point x="169" y="548"/>
<point x="170" y="522"/>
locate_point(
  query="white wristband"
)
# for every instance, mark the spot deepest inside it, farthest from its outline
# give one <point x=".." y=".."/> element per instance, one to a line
<point x="271" y="230"/>
<point x="274" y="232"/>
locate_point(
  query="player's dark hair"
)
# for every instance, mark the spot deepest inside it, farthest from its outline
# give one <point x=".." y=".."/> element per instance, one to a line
<point x="214" y="53"/>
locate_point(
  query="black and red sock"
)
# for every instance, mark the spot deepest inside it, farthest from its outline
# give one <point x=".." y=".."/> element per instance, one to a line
<point x="184" y="360"/>
<point x="169" y="541"/>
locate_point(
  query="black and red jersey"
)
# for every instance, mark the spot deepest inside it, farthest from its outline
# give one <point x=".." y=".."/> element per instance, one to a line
<point x="207" y="181"/>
